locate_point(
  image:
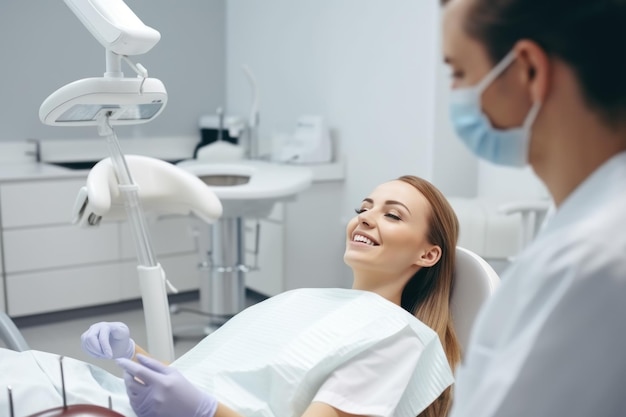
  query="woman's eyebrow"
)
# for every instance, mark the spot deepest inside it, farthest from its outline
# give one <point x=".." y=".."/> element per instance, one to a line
<point x="388" y="203"/>
<point x="397" y="203"/>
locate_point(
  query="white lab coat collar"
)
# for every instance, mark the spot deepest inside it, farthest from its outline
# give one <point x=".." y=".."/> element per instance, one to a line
<point x="600" y="186"/>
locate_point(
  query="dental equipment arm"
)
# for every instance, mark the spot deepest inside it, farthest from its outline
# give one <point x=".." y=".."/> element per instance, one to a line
<point x="115" y="26"/>
<point x="104" y="102"/>
<point x="126" y="100"/>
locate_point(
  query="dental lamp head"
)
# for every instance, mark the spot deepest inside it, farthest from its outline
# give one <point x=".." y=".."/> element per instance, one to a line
<point x="127" y="101"/>
<point x="124" y="100"/>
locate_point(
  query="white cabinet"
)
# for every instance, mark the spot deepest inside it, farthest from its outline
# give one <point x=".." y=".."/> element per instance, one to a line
<point x="27" y="204"/>
<point x="62" y="289"/>
<point x="28" y="249"/>
<point x="51" y="265"/>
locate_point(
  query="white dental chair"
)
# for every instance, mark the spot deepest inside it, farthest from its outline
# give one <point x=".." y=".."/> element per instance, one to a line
<point x="474" y="282"/>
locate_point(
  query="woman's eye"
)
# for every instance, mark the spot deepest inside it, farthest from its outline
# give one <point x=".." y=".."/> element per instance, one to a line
<point x="393" y="216"/>
<point x="359" y="210"/>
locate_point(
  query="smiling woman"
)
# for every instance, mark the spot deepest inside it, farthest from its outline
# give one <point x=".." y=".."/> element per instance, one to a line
<point x="401" y="246"/>
<point x="386" y="347"/>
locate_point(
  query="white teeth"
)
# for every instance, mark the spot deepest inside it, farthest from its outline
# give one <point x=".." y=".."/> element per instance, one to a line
<point x="359" y="238"/>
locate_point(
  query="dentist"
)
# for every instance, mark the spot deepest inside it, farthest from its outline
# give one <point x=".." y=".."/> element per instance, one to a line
<point x="544" y="83"/>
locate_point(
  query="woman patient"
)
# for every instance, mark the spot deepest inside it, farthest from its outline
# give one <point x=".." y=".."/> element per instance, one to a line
<point x="371" y="350"/>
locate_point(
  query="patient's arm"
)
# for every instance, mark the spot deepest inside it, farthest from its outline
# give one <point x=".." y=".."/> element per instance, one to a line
<point x="140" y="351"/>
<point x="224" y="411"/>
<point x="317" y="409"/>
<point x="314" y="410"/>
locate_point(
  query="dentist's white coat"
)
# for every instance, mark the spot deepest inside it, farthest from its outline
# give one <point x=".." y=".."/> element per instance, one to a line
<point x="552" y="340"/>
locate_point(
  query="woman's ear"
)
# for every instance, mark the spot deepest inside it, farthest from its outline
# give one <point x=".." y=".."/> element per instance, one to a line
<point x="429" y="257"/>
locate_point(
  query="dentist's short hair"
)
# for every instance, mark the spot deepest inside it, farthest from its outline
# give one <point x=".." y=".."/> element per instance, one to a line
<point x="588" y="35"/>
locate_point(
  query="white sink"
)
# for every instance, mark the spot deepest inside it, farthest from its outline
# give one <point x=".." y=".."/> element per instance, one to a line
<point x="249" y="188"/>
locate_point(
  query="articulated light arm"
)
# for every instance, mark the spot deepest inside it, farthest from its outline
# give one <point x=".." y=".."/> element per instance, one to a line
<point x="115" y="26"/>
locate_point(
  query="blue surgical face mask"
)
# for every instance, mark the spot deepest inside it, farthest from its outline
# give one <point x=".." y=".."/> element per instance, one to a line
<point x="503" y="147"/>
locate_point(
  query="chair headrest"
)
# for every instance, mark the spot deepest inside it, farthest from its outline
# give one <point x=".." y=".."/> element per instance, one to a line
<point x="474" y="282"/>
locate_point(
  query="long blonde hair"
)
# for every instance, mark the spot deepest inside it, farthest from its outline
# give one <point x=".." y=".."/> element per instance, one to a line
<point x="427" y="294"/>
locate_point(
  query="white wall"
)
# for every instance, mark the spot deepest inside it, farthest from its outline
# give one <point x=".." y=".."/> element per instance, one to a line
<point x="367" y="65"/>
<point x="44" y="46"/>
<point x="455" y="169"/>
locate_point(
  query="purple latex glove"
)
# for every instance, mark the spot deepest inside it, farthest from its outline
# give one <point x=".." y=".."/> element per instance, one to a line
<point x="108" y="340"/>
<point x="157" y="390"/>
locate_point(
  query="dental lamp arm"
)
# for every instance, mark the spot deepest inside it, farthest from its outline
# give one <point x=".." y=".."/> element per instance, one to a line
<point x="115" y="26"/>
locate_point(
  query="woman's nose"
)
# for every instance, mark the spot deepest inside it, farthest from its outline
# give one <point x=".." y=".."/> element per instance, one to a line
<point x="366" y="218"/>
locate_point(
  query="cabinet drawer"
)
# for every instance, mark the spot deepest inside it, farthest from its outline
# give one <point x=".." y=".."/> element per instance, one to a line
<point x="60" y="246"/>
<point x="38" y="203"/>
<point x="181" y="270"/>
<point x="55" y="290"/>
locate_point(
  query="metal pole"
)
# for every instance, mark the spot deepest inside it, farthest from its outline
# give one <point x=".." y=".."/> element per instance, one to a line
<point x="227" y="275"/>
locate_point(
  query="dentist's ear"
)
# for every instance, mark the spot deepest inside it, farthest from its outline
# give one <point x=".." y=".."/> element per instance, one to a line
<point x="429" y="257"/>
<point x="537" y="69"/>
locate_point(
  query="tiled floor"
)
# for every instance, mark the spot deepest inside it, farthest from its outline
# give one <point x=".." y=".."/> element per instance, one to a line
<point x="60" y="333"/>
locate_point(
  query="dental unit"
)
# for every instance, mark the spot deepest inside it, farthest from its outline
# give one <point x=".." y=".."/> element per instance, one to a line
<point x="111" y="100"/>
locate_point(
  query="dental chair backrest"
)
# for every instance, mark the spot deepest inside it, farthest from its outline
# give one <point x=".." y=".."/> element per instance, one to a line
<point x="474" y="282"/>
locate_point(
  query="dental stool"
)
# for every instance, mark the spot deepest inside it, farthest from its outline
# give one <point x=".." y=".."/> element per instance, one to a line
<point x="474" y="282"/>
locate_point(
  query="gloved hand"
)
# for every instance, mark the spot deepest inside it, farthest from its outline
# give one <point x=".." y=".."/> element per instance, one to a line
<point x="162" y="391"/>
<point x="108" y="340"/>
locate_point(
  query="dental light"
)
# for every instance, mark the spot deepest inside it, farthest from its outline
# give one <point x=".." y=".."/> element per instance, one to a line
<point x="116" y="100"/>
<point x="126" y="100"/>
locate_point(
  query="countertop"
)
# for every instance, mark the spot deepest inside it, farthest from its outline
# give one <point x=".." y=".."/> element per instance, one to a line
<point x="16" y="165"/>
<point x="28" y="171"/>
